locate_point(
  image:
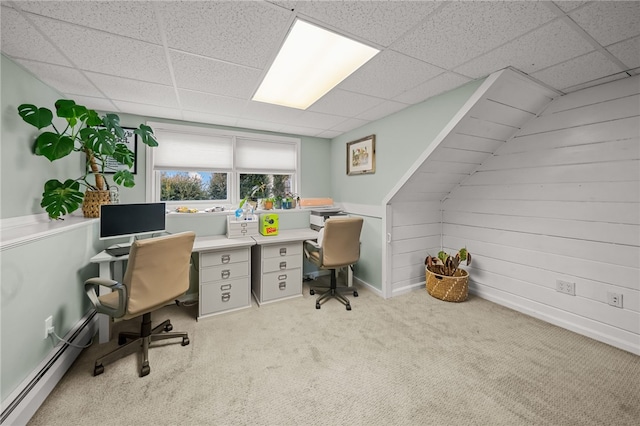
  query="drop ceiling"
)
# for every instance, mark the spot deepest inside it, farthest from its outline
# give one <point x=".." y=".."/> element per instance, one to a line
<point x="201" y="61"/>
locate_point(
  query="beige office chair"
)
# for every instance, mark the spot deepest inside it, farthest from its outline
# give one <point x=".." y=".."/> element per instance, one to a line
<point x="340" y="247"/>
<point x="157" y="273"/>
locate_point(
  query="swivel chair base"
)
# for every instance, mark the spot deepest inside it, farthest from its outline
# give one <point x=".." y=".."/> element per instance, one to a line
<point x="334" y="293"/>
<point x="141" y="341"/>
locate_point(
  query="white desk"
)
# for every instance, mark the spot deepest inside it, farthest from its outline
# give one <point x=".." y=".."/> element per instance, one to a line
<point x="111" y="267"/>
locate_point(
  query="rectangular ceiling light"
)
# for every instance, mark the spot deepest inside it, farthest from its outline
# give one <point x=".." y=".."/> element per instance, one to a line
<point x="311" y="62"/>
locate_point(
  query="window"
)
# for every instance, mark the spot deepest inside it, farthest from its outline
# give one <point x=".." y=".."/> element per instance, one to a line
<point x="196" y="166"/>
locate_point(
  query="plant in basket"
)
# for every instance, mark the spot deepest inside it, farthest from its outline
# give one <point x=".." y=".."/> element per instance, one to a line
<point x="444" y="279"/>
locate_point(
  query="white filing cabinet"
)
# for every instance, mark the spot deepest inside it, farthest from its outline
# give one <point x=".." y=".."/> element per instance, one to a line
<point x="276" y="270"/>
<point x="224" y="280"/>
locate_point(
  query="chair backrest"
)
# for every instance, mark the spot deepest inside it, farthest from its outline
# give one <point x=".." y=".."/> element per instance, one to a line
<point x="157" y="272"/>
<point x="341" y="241"/>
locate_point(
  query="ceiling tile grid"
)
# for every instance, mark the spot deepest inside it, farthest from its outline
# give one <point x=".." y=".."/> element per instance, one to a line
<point x="202" y="61"/>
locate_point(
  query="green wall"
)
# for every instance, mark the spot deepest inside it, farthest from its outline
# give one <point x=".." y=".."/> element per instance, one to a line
<point x="400" y="139"/>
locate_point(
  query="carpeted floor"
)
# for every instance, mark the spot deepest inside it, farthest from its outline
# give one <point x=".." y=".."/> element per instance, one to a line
<point x="409" y="360"/>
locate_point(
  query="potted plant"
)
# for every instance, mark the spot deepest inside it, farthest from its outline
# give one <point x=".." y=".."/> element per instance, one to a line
<point x="444" y="279"/>
<point x="268" y="203"/>
<point x="98" y="139"/>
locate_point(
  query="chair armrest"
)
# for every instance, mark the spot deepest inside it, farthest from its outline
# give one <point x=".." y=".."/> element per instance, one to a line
<point x="312" y="246"/>
<point x="91" y="288"/>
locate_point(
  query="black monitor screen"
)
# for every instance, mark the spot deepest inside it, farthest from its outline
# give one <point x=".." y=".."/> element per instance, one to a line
<point x="128" y="220"/>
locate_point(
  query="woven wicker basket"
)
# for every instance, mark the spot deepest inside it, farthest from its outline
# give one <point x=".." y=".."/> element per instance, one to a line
<point x="92" y="201"/>
<point x="450" y="289"/>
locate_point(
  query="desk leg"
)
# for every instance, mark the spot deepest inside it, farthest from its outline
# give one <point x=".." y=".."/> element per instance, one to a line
<point x="111" y="271"/>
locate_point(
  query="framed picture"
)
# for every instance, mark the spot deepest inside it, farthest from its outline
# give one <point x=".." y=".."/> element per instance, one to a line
<point x="130" y="139"/>
<point x="361" y="156"/>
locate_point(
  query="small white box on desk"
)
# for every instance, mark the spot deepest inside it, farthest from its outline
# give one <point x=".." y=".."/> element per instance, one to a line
<point x="241" y="228"/>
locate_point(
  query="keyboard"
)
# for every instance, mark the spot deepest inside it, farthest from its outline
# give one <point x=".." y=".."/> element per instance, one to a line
<point x="118" y="250"/>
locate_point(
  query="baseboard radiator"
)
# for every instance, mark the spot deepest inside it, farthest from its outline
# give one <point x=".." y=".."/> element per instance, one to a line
<point x="22" y="404"/>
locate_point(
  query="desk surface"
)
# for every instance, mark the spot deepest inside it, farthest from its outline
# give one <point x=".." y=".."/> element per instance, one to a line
<point x="213" y="242"/>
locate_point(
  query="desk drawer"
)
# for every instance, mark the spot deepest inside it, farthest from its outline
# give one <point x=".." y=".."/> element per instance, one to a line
<point x="281" y="263"/>
<point x="224" y="296"/>
<point x="224" y="272"/>
<point x="276" y="285"/>
<point x="223" y="257"/>
<point x="281" y="250"/>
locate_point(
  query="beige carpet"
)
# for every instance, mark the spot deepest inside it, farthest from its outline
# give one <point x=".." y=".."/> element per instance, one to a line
<point x="410" y="360"/>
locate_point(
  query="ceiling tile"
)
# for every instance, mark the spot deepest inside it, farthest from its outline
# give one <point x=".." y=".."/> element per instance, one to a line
<point x="609" y="21"/>
<point x="347" y="104"/>
<point x="21" y="40"/>
<point x="207" y="75"/>
<point x="213" y="104"/>
<point x="249" y="123"/>
<point x="350" y="124"/>
<point x="576" y="71"/>
<point x="201" y="117"/>
<point x="435" y="86"/>
<point x="139" y="92"/>
<point x="551" y="44"/>
<point x="134" y="19"/>
<point x="379" y="21"/>
<point x="463" y="30"/>
<point x="99" y="104"/>
<point x="384" y="109"/>
<point x="150" y="111"/>
<point x="389" y="74"/>
<point x="329" y="134"/>
<point x="627" y="51"/>
<point x="238" y="28"/>
<point x="102" y="52"/>
<point x="299" y="130"/>
<point x="270" y="112"/>
<point x="316" y="120"/>
<point x="63" y="79"/>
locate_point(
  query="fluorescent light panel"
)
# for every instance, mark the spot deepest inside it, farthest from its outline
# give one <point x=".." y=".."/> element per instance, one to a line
<point x="311" y="62"/>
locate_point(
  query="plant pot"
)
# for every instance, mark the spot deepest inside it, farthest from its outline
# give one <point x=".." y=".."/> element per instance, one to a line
<point x="268" y="205"/>
<point x="93" y="200"/>
<point x="449" y="289"/>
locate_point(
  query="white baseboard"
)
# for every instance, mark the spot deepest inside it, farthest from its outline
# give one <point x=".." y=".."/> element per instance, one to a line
<point x="22" y="404"/>
<point x="566" y="320"/>
<point x="407" y="289"/>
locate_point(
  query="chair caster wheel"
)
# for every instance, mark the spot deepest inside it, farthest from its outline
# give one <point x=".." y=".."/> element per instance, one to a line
<point x="185" y="341"/>
<point x="145" y="370"/>
<point x="348" y="307"/>
<point x="355" y="293"/>
<point x="312" y="292"/>
<point x="317" y="305"/>
<point x="168" y="328"/>
<point x="98" y="369"/>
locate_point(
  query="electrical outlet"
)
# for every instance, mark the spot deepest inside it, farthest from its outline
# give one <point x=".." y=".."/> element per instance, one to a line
<point x="566" y="287"/>
<point x="48" y="325"/>
<point x="614" y="299"/>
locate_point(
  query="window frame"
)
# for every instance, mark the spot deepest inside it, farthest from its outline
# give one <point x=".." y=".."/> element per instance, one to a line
<point x="233" y="176"/>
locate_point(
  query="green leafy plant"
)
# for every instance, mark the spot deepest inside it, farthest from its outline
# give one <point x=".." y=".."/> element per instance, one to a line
<point x="255" y="191"/>
<point x="445" y="264"/>
<point x="96" y="137"/>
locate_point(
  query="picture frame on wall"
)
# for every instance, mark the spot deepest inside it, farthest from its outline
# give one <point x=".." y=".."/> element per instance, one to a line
<point x="130" y="139"/>
<point x="361" y="156"/>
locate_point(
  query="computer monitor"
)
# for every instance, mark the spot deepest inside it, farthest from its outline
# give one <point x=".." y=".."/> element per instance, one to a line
<point x="131" y="220"/>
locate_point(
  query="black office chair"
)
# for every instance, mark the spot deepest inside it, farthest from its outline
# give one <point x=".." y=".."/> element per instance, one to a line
<point x="340" y="247"/>
<point x="157" y="273"/>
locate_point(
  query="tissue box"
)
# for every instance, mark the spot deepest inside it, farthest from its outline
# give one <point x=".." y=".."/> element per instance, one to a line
<point x="269" y="224"/>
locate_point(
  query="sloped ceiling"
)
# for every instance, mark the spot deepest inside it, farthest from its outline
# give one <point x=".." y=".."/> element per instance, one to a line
<point x="201" y="61"/>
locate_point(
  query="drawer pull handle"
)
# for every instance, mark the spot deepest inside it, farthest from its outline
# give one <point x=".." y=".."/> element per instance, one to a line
<point x="226" y="258"/>
<point x="283" y="265"/>
<point x="224" y="287"/>
<point x="243" y="225"/>
<point x="225" y="274"/>
<point x="282" y="285"/>
<point x="283" y="251"/>
<point x="282" y="277"/>
<point x="226" y="297"/>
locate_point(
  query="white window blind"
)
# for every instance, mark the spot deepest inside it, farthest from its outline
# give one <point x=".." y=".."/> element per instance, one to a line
<point x="276" y="157"/>
<point x="192" y="151"/>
